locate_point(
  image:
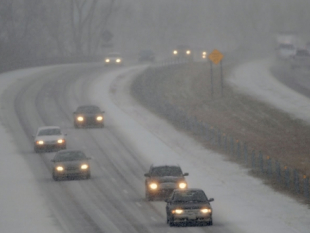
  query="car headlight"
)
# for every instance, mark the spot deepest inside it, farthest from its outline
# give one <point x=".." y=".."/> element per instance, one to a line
<point x="153" y="186"/>
<point x="99" y="118"/>
<point x="205" y="210"/>
<point x="59" y="168"/>
<point x="188" y="52"/>
<point x="175" y="52"/>
<point x="60" y="141"/>
<point x="177" y="211"/>
<point x="107" y="60"/>
<point x="40" y="142"/>
<point x="182" y="185"/>
<point x="80" y="118"/>
<point x="118" y="60"/>
<point x="84" y="166"/>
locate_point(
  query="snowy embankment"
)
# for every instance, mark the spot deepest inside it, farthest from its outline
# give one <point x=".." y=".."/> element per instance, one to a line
<point x="255" y="79"/>
<point x="23" y="208"/>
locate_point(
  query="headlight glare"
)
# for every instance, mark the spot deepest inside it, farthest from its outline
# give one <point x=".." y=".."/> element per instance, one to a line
<point x="188" y="52"/>
<point x="60" y="141"/>
<point x="153" y="186"/>
<point x="175" y="52"/>
<point x="177" y="211"/>
<point x="118" y="60"/>
<point x="40" y="142"/>
<point x="107" y="60"/>
<point x="99" y="118"/>
<point x="80" y="118"/>
<point x="182" y="185"/>
<point x="84" y="166"/>
<point x="206" y="210"/>
<point x="59" y="168"/>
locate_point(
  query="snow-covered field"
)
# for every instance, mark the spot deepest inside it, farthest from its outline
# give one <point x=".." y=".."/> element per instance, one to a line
<point x="242" y="203"/>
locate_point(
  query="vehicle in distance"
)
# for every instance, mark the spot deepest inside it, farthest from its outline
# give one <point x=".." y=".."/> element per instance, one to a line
<point x="161" y="180"/>
<point x="190" y="206"/>
<point x="49" y="138"/>
<point x="88" y="115"/>
<point x="285" y="51"/>
<point x="146" y="56"/>
<point x="183" y="52"/>
<point x="301" y="59"/>
<point x="70" y="163"/>
<point x="113" y="59"/>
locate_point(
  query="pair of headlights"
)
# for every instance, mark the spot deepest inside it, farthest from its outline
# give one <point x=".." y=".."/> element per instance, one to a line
<point x="59" y="141"/>
<point x="181" y="185"/>
<point x="188" y="52"/>
<point x="83" y="167"/>
<point x="81" y="119"/>
<point x="180" y="211"/>
<point x="117" y="60"/>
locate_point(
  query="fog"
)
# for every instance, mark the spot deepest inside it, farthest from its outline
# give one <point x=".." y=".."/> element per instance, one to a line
<point x="36" y="29"/>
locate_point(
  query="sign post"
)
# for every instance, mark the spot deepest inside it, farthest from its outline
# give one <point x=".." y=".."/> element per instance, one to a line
<point x="216" y="58"/>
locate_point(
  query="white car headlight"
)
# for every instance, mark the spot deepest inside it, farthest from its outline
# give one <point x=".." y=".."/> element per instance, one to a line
<point x="107" y="60"/>
<point x="60" y="141"/>
<point x="84" y="166"/>
<point x="40" y="142"/>
<point x="99" y="118"/>
<point x="177" y="211"/>
<point x="206" y="210"/>
<point x="118" y="60"/>
<point x="182" y="185"/>
<point x="153" y="186"/>
<point x="175" y="52"/>
<point x="188" y="52"/>
<point x="59" y="168"/>
<point x="80" y="118"/>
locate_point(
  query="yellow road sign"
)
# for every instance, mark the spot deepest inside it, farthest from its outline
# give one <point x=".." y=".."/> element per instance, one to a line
<point x="216" y="56"/>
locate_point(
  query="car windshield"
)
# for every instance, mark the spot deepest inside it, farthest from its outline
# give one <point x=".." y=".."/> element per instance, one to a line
<point x="302" y="53"/>
<point x="70" y="156"/>
<point x="45" y="132"/>
<point x="114" y="55"/>
<point x="190" y="196"/>
<point x="88" y="109"/>
<point x="166" y="171"/>
<point x="286" y="46"/>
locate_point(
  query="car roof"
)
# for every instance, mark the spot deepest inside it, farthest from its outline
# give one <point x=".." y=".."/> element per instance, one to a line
<point x="188" y="189"/>
<point x="164" y="165"/>
<point x="88" y="106"/>
<point x="114" y="54"/>
<point x="48" y="127"/>
<point x="183" y="47"/>
<point x="70" y="150"/>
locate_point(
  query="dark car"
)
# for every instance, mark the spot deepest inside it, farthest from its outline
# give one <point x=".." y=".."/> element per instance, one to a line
<point x="161" y="180"/>
<point x="183" y="52"/>
<point x="88" y="115"/>
<point x="301" y="59"/>
<point x="191" y="206"/>
<point x="146" y="56"/>
<point x="70" y="163"/>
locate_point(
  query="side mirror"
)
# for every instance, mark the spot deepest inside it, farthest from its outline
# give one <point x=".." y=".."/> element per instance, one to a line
<point x="147" y="175"/>
<point x="185" y="174"/>
<point x="211" y="199"/>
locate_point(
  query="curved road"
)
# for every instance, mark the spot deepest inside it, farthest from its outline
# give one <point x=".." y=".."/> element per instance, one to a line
<point x="113" y="199"/>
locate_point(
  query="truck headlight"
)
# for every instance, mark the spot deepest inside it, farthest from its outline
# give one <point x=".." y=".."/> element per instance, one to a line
<point x="99" y="118"/>
<point x="60" y="141"/>
<point x="40" y="142"/>
<point x="84" y="166"/>
<point x="80" y="118"/>
<point x="188" y="52"/>
<point x="59" y="168"/>
<point x="175" y="52"/>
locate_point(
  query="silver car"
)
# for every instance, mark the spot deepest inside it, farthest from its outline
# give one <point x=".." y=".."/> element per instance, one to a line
<point x="70" y="163"/>
<point x="49" y="138"/>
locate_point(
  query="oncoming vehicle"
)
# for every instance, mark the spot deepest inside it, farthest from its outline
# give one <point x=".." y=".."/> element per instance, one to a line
<point x="190" y="206"/>
<point x="88" y="115"/>
<point x="113" y="59"/>
<point x="161" y="180"/>
<point x="49" y="138"/>
<point x="146" y="56"/>
<point x="285" y="51"/>
<point x="70" y="163"/>
<point x="183" y="52"/>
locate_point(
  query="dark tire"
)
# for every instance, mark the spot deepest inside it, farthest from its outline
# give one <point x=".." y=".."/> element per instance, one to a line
<point x="171" y="222"/>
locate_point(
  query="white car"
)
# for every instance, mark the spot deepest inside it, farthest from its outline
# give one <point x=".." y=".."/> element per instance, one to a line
<point x="49" y="138"/>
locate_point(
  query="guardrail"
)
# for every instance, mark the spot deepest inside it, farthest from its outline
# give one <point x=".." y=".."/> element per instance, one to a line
<point x="281" y="176"/>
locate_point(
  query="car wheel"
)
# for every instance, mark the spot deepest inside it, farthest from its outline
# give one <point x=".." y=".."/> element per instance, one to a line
<point x="171" y="222"/>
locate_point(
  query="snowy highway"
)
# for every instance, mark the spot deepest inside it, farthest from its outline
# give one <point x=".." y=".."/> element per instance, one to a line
<point x="133" y="138"/>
